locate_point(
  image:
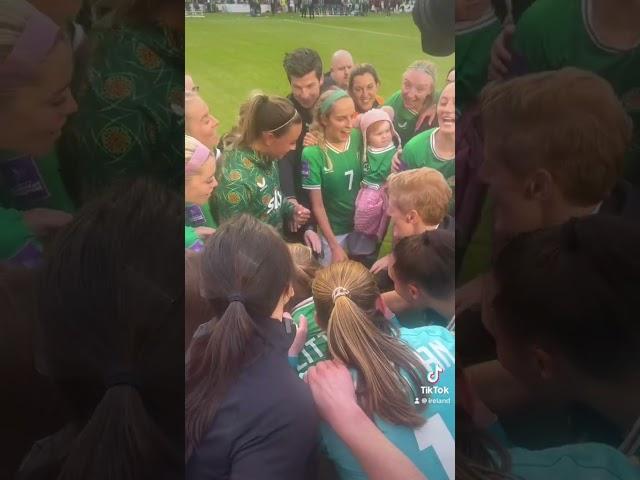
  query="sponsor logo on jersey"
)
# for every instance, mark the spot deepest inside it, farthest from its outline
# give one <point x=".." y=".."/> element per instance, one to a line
<point x="275" y="203"/>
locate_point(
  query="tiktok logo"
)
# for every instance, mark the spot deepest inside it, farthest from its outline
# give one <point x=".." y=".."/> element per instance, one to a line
<point x="434" y="376"/>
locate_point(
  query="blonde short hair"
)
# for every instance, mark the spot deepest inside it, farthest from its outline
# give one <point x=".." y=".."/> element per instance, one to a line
<point x="568" y="122"/>
<point x="424" y="190"/>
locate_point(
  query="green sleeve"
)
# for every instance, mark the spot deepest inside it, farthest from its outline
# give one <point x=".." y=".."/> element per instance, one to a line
<point x="15" y="233"/>
<point x="312" y="168"/>
<point x="190" y="237"/>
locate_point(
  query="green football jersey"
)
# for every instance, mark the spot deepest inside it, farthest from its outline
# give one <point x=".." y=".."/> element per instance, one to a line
<point x="250" y="183"/>
<point x="27" y="183"/>
<point x="338" y="175"/>
<point x="474" y="41"/>
<point x="404" y="120"/>
<point x="570" y="40"/>
<point x="377" y="165"/>
<point x="316" y="347"/>
<point x="421" y="152"/>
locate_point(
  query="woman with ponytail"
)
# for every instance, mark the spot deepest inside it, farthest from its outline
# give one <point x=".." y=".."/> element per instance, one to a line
<point x="199" y="182"/>
<point x="404" y="378"/>
<point x="110" y="312"/>
<point x="250" y="180"/>
<point x="248" y="416"/>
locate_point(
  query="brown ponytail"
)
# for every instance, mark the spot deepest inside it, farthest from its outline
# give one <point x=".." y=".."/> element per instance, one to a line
<point x="345" y="295"/>
<point x="246" y="267"/>
<point x="265" y="114"/>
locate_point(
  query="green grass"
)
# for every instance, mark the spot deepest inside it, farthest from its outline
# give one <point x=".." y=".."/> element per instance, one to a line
<point x="229" y="55"/>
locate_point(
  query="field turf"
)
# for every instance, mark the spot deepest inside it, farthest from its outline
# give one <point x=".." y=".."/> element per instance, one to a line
<point x="230" y="55"/>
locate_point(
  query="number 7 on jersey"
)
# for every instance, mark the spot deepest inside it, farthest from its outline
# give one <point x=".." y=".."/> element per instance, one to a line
<point x="349" y="173"/>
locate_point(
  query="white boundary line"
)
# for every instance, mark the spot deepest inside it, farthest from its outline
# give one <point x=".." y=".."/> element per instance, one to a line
<point x="350" y="29"/>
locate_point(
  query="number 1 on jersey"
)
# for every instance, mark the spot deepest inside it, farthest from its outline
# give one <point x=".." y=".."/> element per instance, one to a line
<point x="349" y="173"/>
<point x="435" y="434"/>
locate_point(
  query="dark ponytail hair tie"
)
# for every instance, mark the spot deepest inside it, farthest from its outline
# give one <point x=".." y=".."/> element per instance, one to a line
<point x="122" y="378"/>
<point x="235" y="297"/>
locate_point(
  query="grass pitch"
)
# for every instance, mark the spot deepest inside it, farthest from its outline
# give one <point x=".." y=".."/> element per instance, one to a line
<point x="229" y="55"/>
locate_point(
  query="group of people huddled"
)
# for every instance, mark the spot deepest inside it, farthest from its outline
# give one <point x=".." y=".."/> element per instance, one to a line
<point x="289" y="279"/>
<point x="547" y="214"/>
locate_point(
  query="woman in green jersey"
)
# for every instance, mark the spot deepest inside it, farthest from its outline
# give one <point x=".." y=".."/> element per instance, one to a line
<point x="199" y="182"/>
<point x="436" y="148"/>
<point x="203" y="126"/>
<point x="36" y="66"/>
<point x="249" y="181"/>
<point x="415" y="103"/>
<point x="332" y="171"/>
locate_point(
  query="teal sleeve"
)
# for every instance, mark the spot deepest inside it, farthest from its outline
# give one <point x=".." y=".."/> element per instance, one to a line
<point x="15" y="233"/>
<point x="293" y="363"/>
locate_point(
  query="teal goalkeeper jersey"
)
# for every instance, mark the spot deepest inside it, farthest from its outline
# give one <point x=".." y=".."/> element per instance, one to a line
<point x="431" y="447"/>
<point x="581" y="461"/>
<point x="569" y="40"/>
<point x="316" y="347"/>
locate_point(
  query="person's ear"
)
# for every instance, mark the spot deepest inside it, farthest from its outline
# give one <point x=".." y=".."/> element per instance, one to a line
<point x="543" y="363"/>
<point x="412" y="217"/>
<point x="414" y="291"/>
<point x="268" y="139"/>
<point x="539" y="186"/>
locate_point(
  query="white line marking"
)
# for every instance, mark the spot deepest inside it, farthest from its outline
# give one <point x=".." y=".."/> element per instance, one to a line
<point x="351" y="29"/>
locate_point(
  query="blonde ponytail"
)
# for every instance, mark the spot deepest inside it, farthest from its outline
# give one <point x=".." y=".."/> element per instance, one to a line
<point x="345" y="295"/>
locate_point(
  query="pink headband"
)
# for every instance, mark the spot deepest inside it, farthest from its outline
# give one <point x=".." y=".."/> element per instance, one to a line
<point x="199" y="157"/>
<point x="39" y="36"/>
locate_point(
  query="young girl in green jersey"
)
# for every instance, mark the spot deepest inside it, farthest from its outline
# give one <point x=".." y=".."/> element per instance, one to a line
<point x="199" y="183"/>
<point x="36" y="62"/>
<point x="381" y="143"/>
<point x="249" y="179"/>
<point x="415" y="101"/>
<point x="332" y="171"/>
